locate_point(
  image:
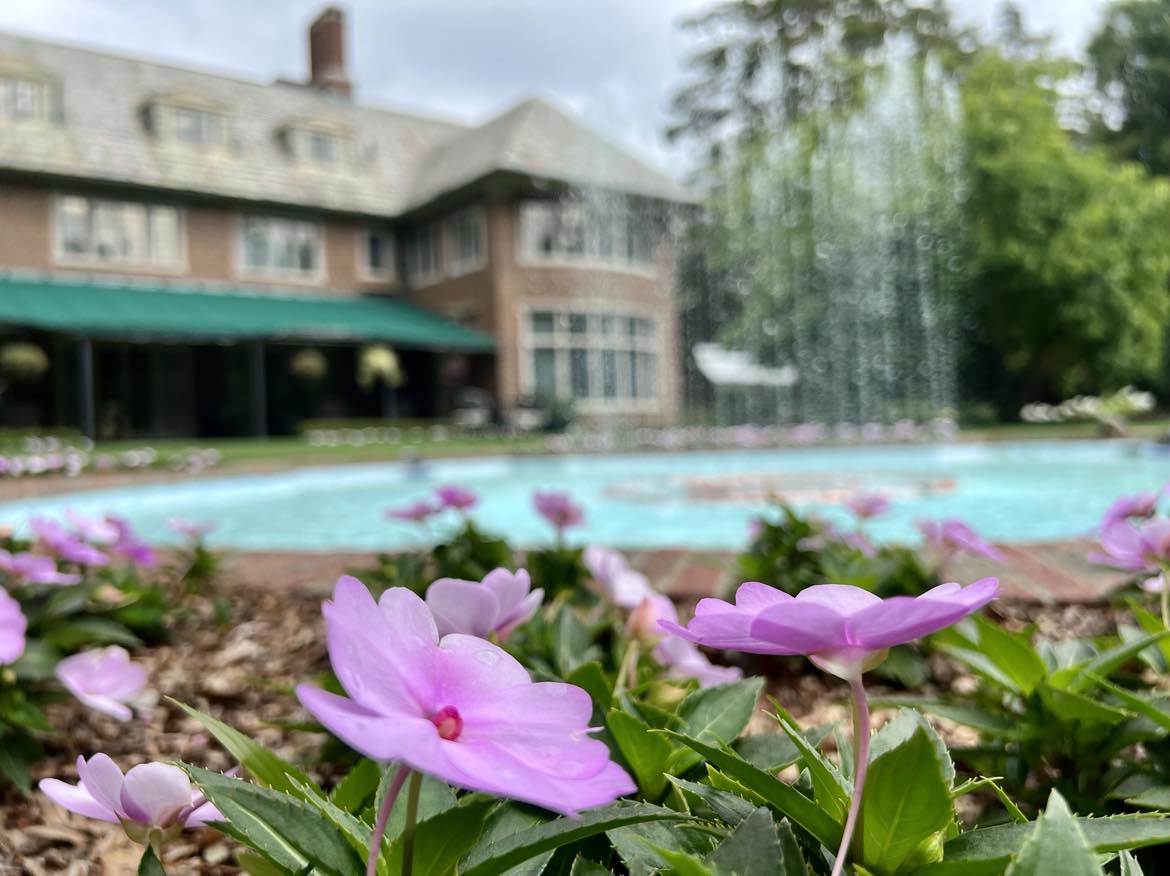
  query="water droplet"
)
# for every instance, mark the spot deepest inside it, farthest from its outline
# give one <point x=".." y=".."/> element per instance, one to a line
<point x="487" y="658"/>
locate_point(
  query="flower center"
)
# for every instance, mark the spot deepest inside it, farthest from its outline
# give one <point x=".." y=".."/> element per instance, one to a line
<point x="448" y="722"/>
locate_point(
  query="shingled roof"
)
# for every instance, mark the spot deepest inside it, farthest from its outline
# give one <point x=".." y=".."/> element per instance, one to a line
<point x="401" y="160"/>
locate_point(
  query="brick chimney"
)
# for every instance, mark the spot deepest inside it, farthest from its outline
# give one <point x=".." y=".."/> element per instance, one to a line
<point x="327" y="53"/>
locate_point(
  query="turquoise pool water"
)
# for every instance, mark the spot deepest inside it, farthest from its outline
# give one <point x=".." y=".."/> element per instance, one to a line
<point x="1008" y="491"/>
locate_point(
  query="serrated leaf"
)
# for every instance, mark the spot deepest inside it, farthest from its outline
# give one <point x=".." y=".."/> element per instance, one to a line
<point x="585" y="867"/>
<point x="718" y="714"/>
<point x="1157" y="797"/>
<point x="1069" y="705"/>
<point x="779" y="795"/>
<point x="978" y="719"/>
<point x="440" y="841"/>
<point x="282" y="826"/>
<point x="773" y="752"/>
<point x="1077" y="677"/>
<point x="681" y="863"/>
<point x="752" y="849"/>
<point x="726" y="806"/>
<point x="434" y="797"/>
<point x="491" y="859"/>
<point x="267" y="768"/>
<point x="1128" y="865"/>
<point x="905" y="801"/>
<point x="831" y="790"/>
<point x="1056" y="845"/>
<point x="357" y="789"/>
<point x="1015" y="657"/>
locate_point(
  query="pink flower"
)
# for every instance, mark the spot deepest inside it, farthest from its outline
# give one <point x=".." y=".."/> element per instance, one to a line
<point x="1139" y="505"/>
<point x="557" y="508"/>
<point x="866" y="505"/>
<point x="153" y="802"/>
<point x="498" y="605"/>
<point x="952" y="536"/>
<point x="12" y="628"/>
<point x="415" y="512"/>
<point x="1142" y="548"/>
<point x="678" y="657"/>
<point x="843" y="629"/>
<point x="755" y="528"/>
<point x="622" y="585"/>
<point x="460" y="708"/>
<point x="128" y="545"/>
<point x="192" y="530"/>
<point x="26" y="568"/>
<point x="101" y="532"/>
<point x="53" y="537"/>
<point x="456" y="497"/>
<point x="104" y="679"/>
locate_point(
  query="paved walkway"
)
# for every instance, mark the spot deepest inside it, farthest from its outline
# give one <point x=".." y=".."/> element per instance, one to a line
<point x="1047" y="573"/>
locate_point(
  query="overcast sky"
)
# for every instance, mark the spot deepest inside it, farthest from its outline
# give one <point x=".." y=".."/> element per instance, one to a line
<point x="615" y="62"/>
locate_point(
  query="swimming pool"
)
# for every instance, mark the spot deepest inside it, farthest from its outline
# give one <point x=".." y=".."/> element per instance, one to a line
<point x="1009" y="491"/>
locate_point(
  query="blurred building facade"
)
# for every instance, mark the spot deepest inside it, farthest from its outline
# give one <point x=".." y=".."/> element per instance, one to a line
<point x="176" y="240"/>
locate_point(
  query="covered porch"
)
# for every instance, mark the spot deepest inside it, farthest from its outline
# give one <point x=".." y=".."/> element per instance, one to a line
<point x="134" y="361"/>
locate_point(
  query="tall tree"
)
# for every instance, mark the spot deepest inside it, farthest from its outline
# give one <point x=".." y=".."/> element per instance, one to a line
<point x="1071" y="257"/>
<point x="1131" y="58"/>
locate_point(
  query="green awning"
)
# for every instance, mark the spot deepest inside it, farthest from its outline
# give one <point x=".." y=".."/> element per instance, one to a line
<point x="159" y="313"/>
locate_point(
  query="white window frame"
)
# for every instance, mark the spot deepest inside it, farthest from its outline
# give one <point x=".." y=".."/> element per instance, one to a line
<point x="244" y="271"/>
<point x="416" y="278"/>
<point x="457" y="266"/>
<point x="562" y="341"/>
<point x="365" y="271"/>
<point x="10" y="86"/>
<point x="528" y="253"/>
<point x="92" y="259"/>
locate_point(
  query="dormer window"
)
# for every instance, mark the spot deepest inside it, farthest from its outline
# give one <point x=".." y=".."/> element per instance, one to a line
<point x="188" y="120"/>
<point x="23" y="99"/>
<point x="197" y="127"/>
<point x="318" y="143"/>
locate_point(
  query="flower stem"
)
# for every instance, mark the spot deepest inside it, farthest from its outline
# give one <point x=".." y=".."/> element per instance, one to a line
<point x="861" y="766"/>
<point x="1166" y="599"/>
<point x="629" y="668"/>
<point x="411" y="819"/>
<point x="383" y="818"/>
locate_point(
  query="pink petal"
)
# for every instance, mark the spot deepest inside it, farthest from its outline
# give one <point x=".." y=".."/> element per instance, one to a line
<point x="471" y="670"/>
<point x="203" y="815"/>
<point x="801" y="626"/>
<point x="546" y="705"/>
<point x="406" y="738"/>
<point x="754" y="595"/>
<point x="903" y="619"/>
<point x="509" y="588"/>
<point x="155" y="793"/>
<point x="462" y="607"/>
<point x="522" y="613"/>
<point x="102" y="780"/>
<point x="76" y="798"/>
<point x="844" y="599"/>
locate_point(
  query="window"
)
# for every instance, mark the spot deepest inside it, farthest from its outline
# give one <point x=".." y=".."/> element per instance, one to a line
<point x="197" y="127"/>
<point x="324" y="148"/>
<point x="282" y="247"/>
<point x="119" y="232"/>
<point x="605" y="233"/>
<point x="23" y="99"/>
<point x="468" y="247"/>
<point x="423" y="259"/>
<point x="599" y="359"/>
<point x="376" y="254"/>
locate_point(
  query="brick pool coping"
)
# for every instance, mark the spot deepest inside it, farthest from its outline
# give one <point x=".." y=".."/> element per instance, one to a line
<point x="1042" y="573"/>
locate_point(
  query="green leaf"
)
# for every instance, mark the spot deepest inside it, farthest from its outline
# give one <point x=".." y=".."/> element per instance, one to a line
<point x="985" y="722"/>
<point x="279" y="824"/>
<point x="1078" y="677"/>
<point x="1157" y="797"/>
<point x="779" y="795"/>
<point x="17" y="751"/>
<point x="724" y="805"/>
<point x="773" y="752"/>
<point x="356" y="791"/>
<point x="490" y="859"/>
<point x="150" y="864"/>
<point x="591" y="678"/>
<point x="356" y="832"/>
<point x="511" y="818"/>
<point x="1151" y="623"/>
<point x="1136" y="704"/>
<point x="718" y="714"/>
<point x="647" y="848"/>
<point x="753" y="849"/>
<point x="645" y="752"/>
<point x="585" y="867"/>
<point x="264" y="766"/>
<point x="905" y="801"/>
<point x="995" y="845"/>
<point x="77" y="632"/>
<point x="1069" y="705"/>
<point x="440" y="841"/>
<point x="1056" y="845"/>
<point x="681" y="863"/>
<point x="1009" y="804"/>
<point x="434" y="797"/>
<point x="1012" y="654"/>
<point x="571" y="641"/>
<point x="830" y="788"/>
<point x="1129" y="865"/>
<point x="255" y="864"/>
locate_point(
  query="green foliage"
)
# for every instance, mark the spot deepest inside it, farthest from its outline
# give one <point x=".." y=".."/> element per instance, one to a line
<point x="1128" y="55"/>
<point x="1053" y="716"/>
<point x="1064" y="240"/>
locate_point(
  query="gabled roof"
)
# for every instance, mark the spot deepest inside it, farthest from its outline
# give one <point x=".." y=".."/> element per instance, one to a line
<point x="401" y="160"/>
<point x="538" y="139"/>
